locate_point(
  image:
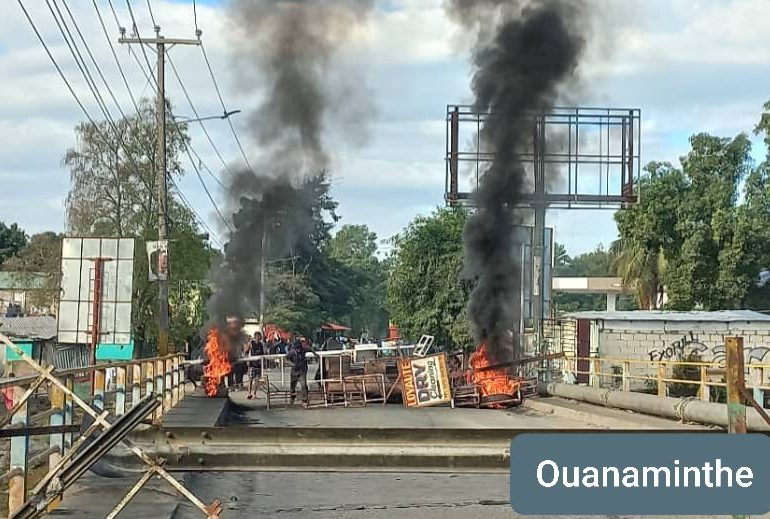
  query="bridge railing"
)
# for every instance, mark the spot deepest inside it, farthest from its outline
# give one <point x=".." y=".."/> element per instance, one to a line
<point x="703" y="380"/>
<point x="40" y="423"/>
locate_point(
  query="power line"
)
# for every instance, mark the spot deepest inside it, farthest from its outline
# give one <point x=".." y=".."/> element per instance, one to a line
<point x="93" y="60"/>
<point x="77" y="56"/>
<point x="115" y="57"/>
<point x="195" y="16"/>
<point x="152" y="16"/>
<point x="189" y="206"/>
<point x="224" y="109"/>
<point x="97" y="96"/>
<point x="187" y="147"/>
<point x="71" y="90"/>
<point x="203" y="126"/>
<point x="55" y="64"/>
<point x="136" y="32"/>
<point x="131" y="50"/>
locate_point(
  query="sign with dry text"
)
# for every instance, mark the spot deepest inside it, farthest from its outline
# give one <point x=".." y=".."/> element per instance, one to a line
<point x="425" y="381"/>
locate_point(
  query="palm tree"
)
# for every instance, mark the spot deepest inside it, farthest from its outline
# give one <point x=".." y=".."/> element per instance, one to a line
<point x="561" y="259"/>
<point x="642" y="269"/>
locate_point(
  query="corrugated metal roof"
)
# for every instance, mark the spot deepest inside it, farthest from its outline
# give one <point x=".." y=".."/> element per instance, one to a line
<point x="722" y="316"/>
<point x="39" y="327"/>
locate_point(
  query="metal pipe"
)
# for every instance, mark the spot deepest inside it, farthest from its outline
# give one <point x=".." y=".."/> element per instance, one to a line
<point x="684" y="409"/>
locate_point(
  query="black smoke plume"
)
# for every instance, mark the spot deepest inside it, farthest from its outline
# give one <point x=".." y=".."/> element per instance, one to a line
<point x="523" y="53"/>
<point x="286" y="50"/>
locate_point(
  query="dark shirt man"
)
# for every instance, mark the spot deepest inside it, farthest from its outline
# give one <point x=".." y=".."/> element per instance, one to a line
<point x="256" y="347"/>
<point x="298" y="359"/>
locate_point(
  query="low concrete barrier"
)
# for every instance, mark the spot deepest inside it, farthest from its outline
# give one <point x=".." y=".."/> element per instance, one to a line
<point x="684" y="409"/>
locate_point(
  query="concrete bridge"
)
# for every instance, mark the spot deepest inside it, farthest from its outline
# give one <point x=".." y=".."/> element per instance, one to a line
<point x="350" y="462"/>
<point x="379" y="460"/>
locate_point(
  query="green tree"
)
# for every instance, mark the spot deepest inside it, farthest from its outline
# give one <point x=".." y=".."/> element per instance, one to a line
<point x="293" y="304"/>
<point x="112" y="193"/>
<point x="648" y="233"/>
<point x="691" y="234"/>
<point x="561" y="259"/>
<point x="39" y="261"/>
<point x="595" y="263"/>
<point x="753" y="227"/>
<point x="425" y="290"/>
<point x="12" y="239"/>
<point x="642" y="269"/>
<point x="310" y="286"/>
<point x="113" y="181"/>
<point x="355" y="248"/>
<point x="709" y="269"/>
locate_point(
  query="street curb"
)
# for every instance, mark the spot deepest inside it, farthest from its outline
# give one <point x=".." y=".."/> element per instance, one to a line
<point x="609" y="422"/>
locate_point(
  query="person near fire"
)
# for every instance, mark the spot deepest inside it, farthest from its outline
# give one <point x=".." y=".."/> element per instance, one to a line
<point x="240" y="369"/>
<point x="298" y="358"/>
<point x="257" y="347"/>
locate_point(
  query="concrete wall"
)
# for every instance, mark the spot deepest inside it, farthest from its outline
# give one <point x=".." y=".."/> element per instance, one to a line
<point x="676" y="340"/>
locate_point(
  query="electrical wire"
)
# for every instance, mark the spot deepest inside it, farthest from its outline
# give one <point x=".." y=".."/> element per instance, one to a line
<point x="71" y="44"/>
<point x="195" y="16"/>
<point x="152" y="16"/>
<point x="77" y="56"/>
<point x="115" y="57"/>
<point x="56" y="65"/>
<point x="93" y="60"/>
<point x="224" y="108"/>
<point x="141" y="46"/>
<point x="188" y="147"/>
<point x="69" y="85"/>
<point x="197" y="217"/>
<point x="203" y="126"/>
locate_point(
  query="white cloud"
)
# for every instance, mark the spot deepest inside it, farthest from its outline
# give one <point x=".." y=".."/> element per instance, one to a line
<point x="691" y="65"/>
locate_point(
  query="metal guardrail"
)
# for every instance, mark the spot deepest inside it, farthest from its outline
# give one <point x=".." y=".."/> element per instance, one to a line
<point x="123" y="385"/>
<point x="659" y="376"/>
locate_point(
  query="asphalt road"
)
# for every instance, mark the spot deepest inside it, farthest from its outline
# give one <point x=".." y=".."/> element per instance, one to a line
<point x="354" y="496"/>
<point x="286" y="495"/>
<point x="343" y="495"/>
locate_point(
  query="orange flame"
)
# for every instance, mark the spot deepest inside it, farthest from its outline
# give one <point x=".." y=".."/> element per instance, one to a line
<point x="218" y="365"/>
<point x="490" y="381"/>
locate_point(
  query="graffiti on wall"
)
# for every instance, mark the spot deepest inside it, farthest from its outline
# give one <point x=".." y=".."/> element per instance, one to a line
<point x="689" y="345"/>
<point x="680" y="349"/>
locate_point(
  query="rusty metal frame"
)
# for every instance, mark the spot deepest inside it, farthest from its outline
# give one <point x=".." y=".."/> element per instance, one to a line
<point x="619" y="145"/>
<point x="100" y="421"/>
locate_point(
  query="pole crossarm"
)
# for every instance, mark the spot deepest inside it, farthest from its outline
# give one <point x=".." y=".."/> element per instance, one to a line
<point x="162" y="44"/>
<point x="161" y="40"/>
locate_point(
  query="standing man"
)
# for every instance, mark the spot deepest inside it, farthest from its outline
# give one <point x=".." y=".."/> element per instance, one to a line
<point x="298" y="359"/>
<point x="257" y="347"/>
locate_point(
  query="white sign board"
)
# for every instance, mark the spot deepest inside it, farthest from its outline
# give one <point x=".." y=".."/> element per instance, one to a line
<point x="76" y="303"/>
<point x="425" y="381"/>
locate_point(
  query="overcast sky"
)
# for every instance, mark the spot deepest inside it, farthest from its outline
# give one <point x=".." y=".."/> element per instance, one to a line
<point x="689" y="65"/>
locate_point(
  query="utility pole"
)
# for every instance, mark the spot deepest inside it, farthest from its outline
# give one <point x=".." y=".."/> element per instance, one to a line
<point x="262" y="276"/>
<point x="160" y="43"/>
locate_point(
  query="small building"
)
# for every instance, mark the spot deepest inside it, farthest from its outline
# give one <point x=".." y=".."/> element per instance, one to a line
<point x="657" y="335"/>
<point x="35" y="335"/>
<point x="17" y="290"/>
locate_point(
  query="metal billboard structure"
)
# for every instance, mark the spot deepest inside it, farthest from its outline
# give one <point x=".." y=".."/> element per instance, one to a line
<point x="96" y="287"/>
<point x="573" y="158"/>
<point x="585" y="158"/>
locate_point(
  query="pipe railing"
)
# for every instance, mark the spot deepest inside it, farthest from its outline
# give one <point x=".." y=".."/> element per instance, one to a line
<point x="659" y="376"/>
<point x="121" y="384"/>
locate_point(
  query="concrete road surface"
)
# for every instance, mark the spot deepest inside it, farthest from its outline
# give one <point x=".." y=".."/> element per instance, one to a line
<point x="353" y="496"/>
